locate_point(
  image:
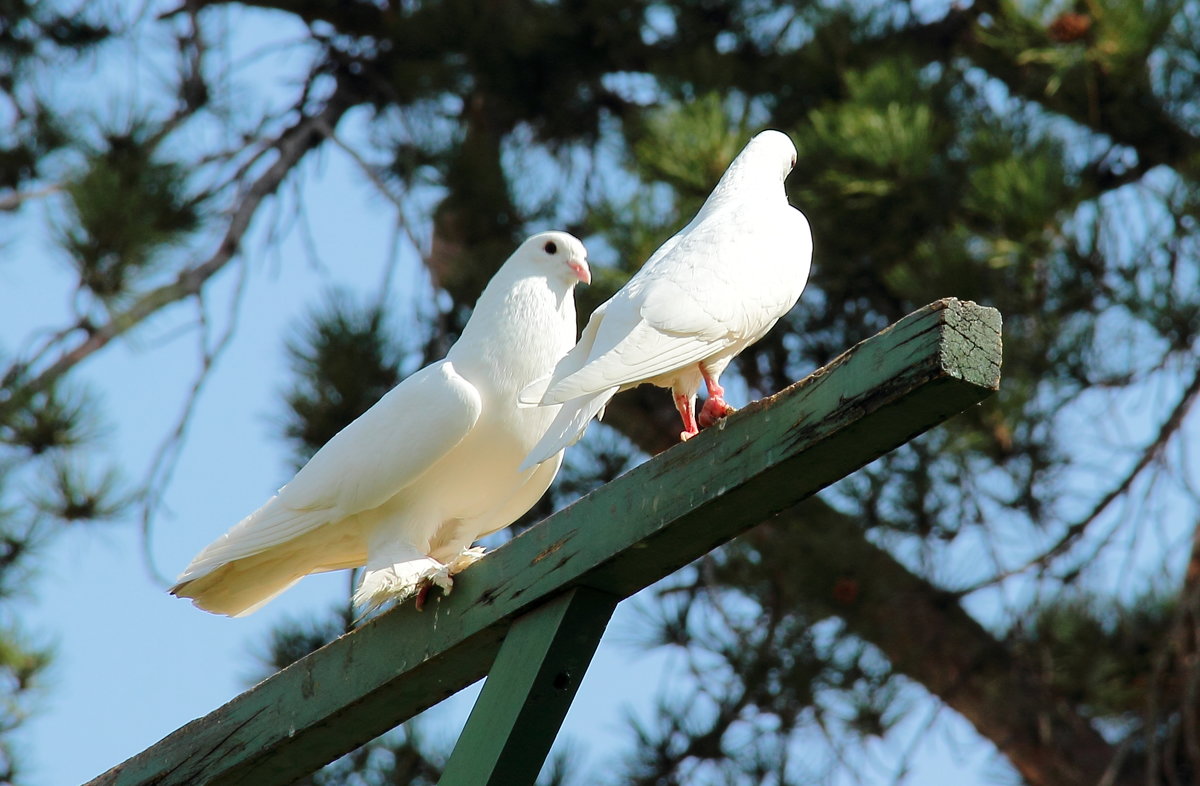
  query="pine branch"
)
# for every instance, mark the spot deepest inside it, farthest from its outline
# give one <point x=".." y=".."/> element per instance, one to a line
<point x="1166" y="431"/>
<point x="13" y="200"/>
<point x="1120" y="105"/>
<point x="927" y="635"/>
<point x="1127" y="110"/>
<point x="292" y="145"/>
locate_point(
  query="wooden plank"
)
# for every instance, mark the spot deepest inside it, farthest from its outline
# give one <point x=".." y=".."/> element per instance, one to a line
<point x="622" y="537"/>
<point x="529" y="690"/>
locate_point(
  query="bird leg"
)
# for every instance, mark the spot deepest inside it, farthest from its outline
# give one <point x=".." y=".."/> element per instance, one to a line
<point x="442" y="576"/>
<point x="686" y="407"/>
<point x="422" y="593"/>
<point x="715" y="406"/>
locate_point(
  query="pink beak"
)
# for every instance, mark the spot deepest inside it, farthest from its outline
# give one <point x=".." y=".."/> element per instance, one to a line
<point x="581" y="270"/>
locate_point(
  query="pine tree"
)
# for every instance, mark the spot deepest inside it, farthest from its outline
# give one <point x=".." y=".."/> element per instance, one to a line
<point x="1040" y="157"/>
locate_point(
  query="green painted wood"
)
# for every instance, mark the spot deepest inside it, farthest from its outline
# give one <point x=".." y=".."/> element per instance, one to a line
<point x="618" y="539"/>
<point x="529" y="690"/>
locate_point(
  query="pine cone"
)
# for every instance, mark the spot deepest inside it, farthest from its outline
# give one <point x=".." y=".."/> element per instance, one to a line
<point x="1070" y="27"/>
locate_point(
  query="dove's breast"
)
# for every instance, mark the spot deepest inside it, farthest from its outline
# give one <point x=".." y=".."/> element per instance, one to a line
<point x="533" y="330"/>
<point x="480" y="473"/>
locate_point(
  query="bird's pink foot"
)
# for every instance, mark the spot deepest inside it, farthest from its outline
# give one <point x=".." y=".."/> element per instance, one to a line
<point x="715" y="406"/>
<point x="713" y="410"/>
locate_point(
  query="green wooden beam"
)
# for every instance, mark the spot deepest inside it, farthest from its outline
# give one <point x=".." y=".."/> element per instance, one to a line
<point x="529" y="690"/>
<point x="618" y="539"/>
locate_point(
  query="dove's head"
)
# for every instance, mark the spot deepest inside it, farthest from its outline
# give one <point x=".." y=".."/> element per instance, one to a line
<point x="766" y="160"/>
<point x="560" y="254"/>
<point x="774" y="151"/>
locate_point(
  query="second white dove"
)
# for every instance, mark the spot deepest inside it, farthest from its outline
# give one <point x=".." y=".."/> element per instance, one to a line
<point x="706" y="294"/>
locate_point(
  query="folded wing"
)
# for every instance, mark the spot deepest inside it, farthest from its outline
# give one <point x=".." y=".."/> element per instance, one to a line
<point x="385" y="450"/>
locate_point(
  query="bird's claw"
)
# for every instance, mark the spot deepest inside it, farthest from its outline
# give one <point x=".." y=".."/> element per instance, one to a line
<point x="434" y="577"/>
<point x="713" y="410"/>
<point x="422" y="593"/>
<point x="442" y="577"/>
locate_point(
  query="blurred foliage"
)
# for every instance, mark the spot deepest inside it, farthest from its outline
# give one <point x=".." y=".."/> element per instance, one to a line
<point x="45" y="485"/>
<point x="34" y="35"/>
<point x="1100" y="653"/>
<point x="343" y="360"/>
<point x="125" y="209"/>
<point x="1041" y="157"/>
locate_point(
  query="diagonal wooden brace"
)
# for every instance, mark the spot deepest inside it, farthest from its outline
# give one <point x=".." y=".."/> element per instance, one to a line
<point x="528" y="691"/>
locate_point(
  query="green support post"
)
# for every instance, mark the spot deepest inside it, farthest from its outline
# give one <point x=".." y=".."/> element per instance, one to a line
<point x="528" y="691"/>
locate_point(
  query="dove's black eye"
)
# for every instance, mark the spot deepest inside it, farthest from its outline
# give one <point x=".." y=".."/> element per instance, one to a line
<point x="551" y="247"/>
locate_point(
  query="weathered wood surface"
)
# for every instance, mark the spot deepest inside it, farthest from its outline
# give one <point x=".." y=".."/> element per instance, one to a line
<point x="620" y="538"/>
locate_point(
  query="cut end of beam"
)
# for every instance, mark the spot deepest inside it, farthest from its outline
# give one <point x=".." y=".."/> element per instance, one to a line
<point x="976" y="357"/>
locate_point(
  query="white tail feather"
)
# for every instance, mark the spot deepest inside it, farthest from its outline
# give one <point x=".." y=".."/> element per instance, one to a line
<point x="241" y="586"/>
<point x="568" y="426"/>
<point x="531" y="394"/>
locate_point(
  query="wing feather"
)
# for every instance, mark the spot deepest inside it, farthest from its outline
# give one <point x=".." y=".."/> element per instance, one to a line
<point x="645" y="353"/>
<point x="384" y="450"/>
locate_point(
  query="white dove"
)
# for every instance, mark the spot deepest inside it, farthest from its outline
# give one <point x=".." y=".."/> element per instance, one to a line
<point x="432" y="466"/>
<point x="706" y="294"/>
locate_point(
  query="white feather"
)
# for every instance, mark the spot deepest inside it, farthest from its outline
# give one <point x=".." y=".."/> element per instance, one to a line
<point x="431" y="467"/>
